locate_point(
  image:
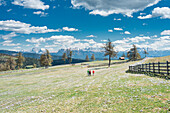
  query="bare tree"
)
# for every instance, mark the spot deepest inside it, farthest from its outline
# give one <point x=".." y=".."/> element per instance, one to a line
<point x="109" y="50"/>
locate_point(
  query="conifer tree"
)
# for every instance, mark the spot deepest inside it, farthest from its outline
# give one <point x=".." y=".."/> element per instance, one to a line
<point x="145" y="52"/>
<point x="34" y="65"/>
<point x="20" y="60"/>
<point x="87" y="58"/>
<point x="69" y="55"/>
<point x="64" y="57"/>
<point x="93" y="57"/>
<point x="109" y="50"/>
<point x="11" y="63"/>
<point x="46" y="59"/>
<point x="133" y="53"/>
<point x="123" y="55"/>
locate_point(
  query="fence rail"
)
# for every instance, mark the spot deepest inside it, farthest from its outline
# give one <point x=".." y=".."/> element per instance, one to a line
<point x="156" y="68"/>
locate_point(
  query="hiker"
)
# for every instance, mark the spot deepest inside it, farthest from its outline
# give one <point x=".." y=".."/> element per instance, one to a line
<point x="90" y="73"/>
<point x="93" y="72"/>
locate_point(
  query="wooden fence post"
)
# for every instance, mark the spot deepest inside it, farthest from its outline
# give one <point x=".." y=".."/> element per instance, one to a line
<point x="159" y="67"/>
<point x="153" y="67"/>
<point x="167" y="68"/>
<point x="149" y="67"/>
<point x="146" y="68"/>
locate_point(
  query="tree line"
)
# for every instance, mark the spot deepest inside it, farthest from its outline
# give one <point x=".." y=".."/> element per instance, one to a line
<point x="46" y="59"/>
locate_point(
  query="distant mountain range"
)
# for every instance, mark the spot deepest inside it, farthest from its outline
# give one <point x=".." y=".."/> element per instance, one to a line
<point x="81" y="53"/>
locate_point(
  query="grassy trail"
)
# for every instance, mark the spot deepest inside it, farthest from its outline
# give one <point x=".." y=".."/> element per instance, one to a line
<point x="69" y="89"/>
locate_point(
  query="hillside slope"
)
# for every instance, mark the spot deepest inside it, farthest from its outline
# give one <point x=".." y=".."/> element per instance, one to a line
<point x="68" y="89"/>
<point x="158" y="59"/>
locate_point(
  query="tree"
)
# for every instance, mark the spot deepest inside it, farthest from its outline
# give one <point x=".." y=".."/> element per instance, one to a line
<point x="20" y="60"/>
<point x="133" y="53"/>
<point x="11" y="63"/>
<point x="69" y="55"/>
<point x="87" y="58"/>
<point x="145" y="52"/>
<point x="1" y="67"/>
<point x="123" y="55"/>
<point x="46" y="59"/>
<point x="64" y="57"/>
<point x="93" y="57"/>
<point x="109" y="50"/>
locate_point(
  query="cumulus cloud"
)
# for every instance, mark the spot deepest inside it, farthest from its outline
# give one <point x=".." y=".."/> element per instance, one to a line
<point x="107" y="7"/>
<point x="2" y="2"/>
<point x="166" y="32"/>
<point x="138" y="38"/>
<point x="118" y="29"/>
<point x="163" y="13"/>
<point x="32" y="4"/>
<point x="161" y="43"/>
<point x="8" y="36"/>
<point x="33" y="40"/>
<point x="19" y="27"/>
<point x="145" y="17"/>
<point x="42" y="14"/>
<point x="104" y="40"/>
<point x="9" y="43"/>
<point x="119" y="19"/>
<point x="64" y="42"/>
<point x="110" y="30"/>
<point x="69" y="29"/>
<point x="91" y="36"/>
<point x="127" y="32"/>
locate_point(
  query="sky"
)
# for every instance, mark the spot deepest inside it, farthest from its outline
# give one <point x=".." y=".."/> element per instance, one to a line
<point x="82" y="24"/>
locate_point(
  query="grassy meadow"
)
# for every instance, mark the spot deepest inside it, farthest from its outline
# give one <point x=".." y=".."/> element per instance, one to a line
<point x="67" y="88"/>
<point x="158" y="59"/>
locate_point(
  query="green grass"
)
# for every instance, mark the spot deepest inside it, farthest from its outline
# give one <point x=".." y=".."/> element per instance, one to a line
<point x="158" y="59"/>
<point x="69" y="89"/>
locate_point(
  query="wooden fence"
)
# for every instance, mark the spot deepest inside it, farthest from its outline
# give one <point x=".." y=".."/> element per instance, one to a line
<point x="156" y="68"/>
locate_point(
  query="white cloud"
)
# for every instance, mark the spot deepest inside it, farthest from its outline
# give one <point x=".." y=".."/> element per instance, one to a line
<point x="69" y="29"/>
<point x="119" y="19"/>
<point x="104" y="40"/>
<point x="110" y="30"/>
<point x="127" y="32"/>
<point x="118" y="29"/>
<point x="9" y="43"/>
<point x="107" y="7"/>
<point x="32" y="4"/>
<point x="138" y="39"/>
<point x="9" y="10"/>
<point x="42" y="14"/>
<point x="33" y="40"/>
<point x="166" y="32"/>
<point x="164" y="38"/>
<point x="145" y="17"/>
<point x="91" y="36"/>
<point x="163" y="13"/>
<point x="19" y="27"/>
<point x="64" y="42"/>
<point x="2" y="2"/>
<point x="8" y="36"/>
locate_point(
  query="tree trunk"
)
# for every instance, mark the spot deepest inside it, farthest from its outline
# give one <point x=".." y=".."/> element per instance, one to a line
<point x="109" y="60"/>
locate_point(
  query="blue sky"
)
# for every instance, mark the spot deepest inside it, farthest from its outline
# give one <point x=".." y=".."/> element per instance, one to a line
<point x="81" y="24"/>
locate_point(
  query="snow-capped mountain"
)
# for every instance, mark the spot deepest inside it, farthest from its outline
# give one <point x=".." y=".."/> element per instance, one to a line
<point x="37" y="50"/>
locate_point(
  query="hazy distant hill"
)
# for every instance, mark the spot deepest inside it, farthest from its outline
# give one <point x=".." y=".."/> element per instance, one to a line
<point x="27" y="54"/>
<point x="81" y="54"/>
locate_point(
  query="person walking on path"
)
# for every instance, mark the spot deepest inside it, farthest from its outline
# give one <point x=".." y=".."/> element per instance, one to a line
<point x="93" y="72"/>
<point x="90" y="73"/>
